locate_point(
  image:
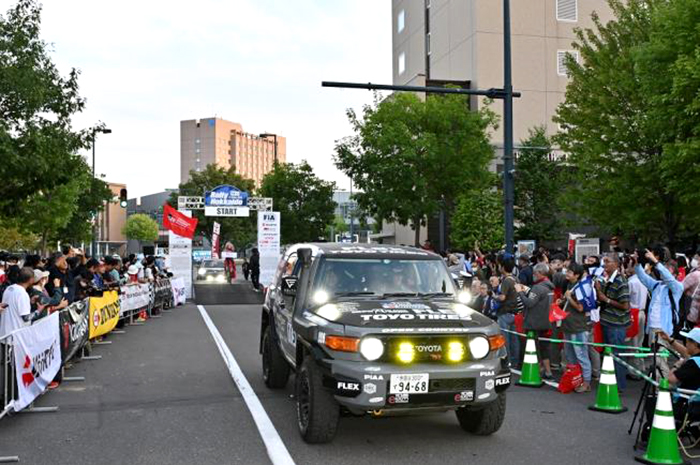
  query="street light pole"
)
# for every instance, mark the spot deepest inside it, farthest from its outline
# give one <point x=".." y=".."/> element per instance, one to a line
<point x="508" y="164"/>
<point x="506" y="94"/>
<point x="93" y="247"/>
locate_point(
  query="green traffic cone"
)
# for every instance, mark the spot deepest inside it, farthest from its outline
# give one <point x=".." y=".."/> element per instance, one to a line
<point x="663" y="441"/>
<point x="608" y="399"/>
<point x="530" y="376"/>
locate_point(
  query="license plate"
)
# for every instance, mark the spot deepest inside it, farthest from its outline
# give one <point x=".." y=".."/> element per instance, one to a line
<point x="409" y="384"/>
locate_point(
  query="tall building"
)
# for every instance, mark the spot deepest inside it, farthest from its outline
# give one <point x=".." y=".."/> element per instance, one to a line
<point x="110" y="222"/>
<point x="462" y="40"/>
<point x="224" y="143"/>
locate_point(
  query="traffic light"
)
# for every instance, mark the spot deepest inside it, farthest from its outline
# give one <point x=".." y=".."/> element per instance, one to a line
<point x="122" y="198"/>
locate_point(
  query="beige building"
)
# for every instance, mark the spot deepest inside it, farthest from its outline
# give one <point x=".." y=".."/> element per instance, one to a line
<point x="224" y="143"/>
<point x="110" y="222"/>
<point x="462" y="40"/>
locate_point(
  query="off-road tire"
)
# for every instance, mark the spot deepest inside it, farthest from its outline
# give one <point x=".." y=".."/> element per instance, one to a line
<point x="274" y="366"/>
<point x="317" y="410"/>
<point x="483" y="421"/>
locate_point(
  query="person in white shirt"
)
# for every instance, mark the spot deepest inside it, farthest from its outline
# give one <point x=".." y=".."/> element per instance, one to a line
<point x="15" y="311"/>
<point x="19" y="307"/>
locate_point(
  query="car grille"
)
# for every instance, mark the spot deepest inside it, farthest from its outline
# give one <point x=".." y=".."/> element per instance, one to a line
<point x="429" y="349"/>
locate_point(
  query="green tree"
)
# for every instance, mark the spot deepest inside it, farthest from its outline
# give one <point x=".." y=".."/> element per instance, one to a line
<point x="538" y="186"/>
<point x="14" y="240"/>
<point x="305" y="201"/>
<point x="337" y="226"/>
<point x="478" y="217"/>
<point x="629" y="147"/>
<point x="43" y="176"/>
<point x="241" y="232"/>
<point x="411" y="158"/>
<point x="140" y="227"/>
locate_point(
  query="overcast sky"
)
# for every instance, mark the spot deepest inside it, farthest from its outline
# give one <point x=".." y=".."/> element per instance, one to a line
<point x="145" y="65"/>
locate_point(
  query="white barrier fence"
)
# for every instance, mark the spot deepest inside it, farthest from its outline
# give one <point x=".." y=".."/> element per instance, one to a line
<point x="33" y="356"/>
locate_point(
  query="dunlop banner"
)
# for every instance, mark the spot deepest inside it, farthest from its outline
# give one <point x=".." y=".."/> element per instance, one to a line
<point x="104" y="313"/>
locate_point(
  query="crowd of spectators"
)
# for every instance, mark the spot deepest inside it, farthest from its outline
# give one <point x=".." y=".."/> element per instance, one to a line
<point x="33" y="286"/>
<point x="638" y="298"/>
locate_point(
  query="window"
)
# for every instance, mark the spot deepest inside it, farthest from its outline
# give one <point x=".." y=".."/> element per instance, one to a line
<point x="561" y="61"/>
<point x="401" y="21"/>
<point x="402" y="62"/>
<point x="567" y="10"/>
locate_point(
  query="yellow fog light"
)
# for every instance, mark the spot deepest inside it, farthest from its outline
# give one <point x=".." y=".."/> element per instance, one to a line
<point x="455" y="351"/>
<point x="406" y="352"/>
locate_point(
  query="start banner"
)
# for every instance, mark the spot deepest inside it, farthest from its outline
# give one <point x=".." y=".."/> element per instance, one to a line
<point x="134" y="297"/>
<point x="104" y="313"/>
<point x="74" y="329"/>
<point x="37" y="351"/>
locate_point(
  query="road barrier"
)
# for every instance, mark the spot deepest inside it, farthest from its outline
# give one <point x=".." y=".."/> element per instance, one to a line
<point x="43" y="349"/>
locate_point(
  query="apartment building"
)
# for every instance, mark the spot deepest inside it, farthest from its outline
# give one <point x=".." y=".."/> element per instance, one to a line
<point x="225" y="143"/>
<point x="462" y="41"/>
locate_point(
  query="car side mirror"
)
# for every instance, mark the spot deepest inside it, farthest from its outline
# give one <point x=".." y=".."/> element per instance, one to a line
<point x="305" y="256"/>
<point x="289" y="285"/>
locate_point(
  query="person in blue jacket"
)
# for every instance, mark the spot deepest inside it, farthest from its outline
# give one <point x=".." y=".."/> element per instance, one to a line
<point x="666" y="292"/>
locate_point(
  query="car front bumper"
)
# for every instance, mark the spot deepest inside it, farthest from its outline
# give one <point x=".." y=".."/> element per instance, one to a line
<point x="365" y="386"/>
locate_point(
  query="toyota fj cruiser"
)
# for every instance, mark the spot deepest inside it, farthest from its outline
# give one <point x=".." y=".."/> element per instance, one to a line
<point x="379" y="330"/>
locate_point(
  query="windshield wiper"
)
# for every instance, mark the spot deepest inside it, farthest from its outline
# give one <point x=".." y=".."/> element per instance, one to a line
<point x="399" y="294"/>
<point x="352" y="294"/>
<point x="437" y="294"/>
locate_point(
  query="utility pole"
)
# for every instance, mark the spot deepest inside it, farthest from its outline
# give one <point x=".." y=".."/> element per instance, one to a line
<point x="508" y="163"/>
<point x="93" y="247"/>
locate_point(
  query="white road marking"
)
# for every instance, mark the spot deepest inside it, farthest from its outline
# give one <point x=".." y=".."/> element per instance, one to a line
<point x="276" y="450"/>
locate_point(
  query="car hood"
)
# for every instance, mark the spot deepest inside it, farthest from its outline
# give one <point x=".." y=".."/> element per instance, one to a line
<point x="403" y="313"/>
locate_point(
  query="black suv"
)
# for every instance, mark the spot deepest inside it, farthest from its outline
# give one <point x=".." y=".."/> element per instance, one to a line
<point x="379" y="330"/>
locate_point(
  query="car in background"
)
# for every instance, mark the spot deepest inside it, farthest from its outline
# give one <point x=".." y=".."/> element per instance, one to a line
<point x="211" y="271"/>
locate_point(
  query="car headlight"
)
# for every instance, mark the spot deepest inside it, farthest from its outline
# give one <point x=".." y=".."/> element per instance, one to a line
<point x="406" y="352"/>
<point x="479" y="347"/>
<point x="329" y="312"/>
<point x="202" y="271"/>
<point x="464" y="297"/>
<point x="455" y="351"/>
<point x="371" y="348"/>
<point x="221" y="278"/>
<point x="210" y="278"/>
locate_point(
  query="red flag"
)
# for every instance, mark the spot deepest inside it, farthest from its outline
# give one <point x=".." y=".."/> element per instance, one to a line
<point x="178" y="223"/>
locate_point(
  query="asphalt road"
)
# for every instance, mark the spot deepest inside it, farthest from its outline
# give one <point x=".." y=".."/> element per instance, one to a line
<point x="162" y="394"/>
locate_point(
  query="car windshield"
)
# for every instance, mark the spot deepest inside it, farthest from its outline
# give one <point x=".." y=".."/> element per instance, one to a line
<point x="382" y="277"/>
<point x="213" y="264"/>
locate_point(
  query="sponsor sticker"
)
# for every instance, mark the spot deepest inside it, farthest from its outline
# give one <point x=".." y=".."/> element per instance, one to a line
<point x="370" y="388"/>
<point x="372" y="377"/>
<point x="489" y="384"/>
<point x="464" y="396"/>
<point x="484" y="395"/>
<point x="503" y="380"/>
<point x="376" y="400"/>
<point x="398" y="399"/>
<point x="373" y="369"/>
<point x="486" y="373"/>
<point x="347" y="386"/>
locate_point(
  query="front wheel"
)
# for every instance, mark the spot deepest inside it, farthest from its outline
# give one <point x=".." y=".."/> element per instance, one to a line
<point x="317" y="410"/>
<point x="484" y="421"/>
<point x="275" y="367"/>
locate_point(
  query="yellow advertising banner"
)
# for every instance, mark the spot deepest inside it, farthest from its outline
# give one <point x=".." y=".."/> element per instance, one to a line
<point x="104" y="313"/>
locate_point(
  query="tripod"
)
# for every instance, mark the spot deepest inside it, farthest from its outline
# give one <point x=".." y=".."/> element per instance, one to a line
<point x="651" y="373"/>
